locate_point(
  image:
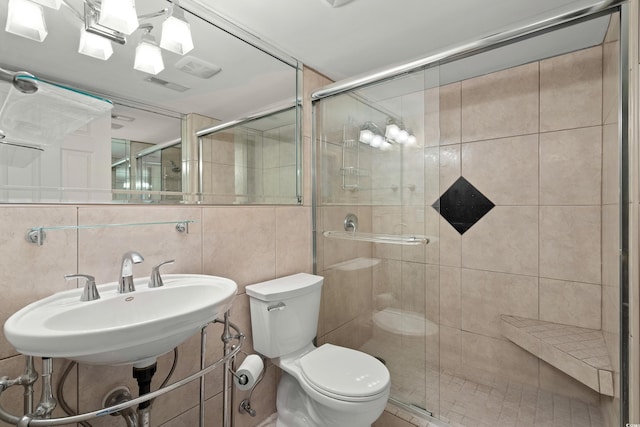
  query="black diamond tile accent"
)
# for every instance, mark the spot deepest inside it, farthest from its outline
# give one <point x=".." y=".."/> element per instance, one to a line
<point x="462" y="205"/>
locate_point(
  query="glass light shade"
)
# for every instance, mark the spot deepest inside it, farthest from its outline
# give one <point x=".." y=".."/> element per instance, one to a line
<point x="385" y="145"/>
<point x="94" y="45"/>
<point x="176" y="35"/>
<point x="366" y="136"/>
<point x="148" y="58"/>
<point x="26" y="19"/>
<point x="402" y="137"/>
<point x="412" y="140"/>
<point x="392" y="131"/>
<point x="53" y="4"/>
<point x="119" y="15"/>
<point x="377" y="141"/>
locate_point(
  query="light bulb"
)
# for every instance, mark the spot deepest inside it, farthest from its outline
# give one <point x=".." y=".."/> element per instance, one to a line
<point x="391" y="131"/>
<point x="119" y="15"/>
<point x="176" y="33"/>
<point x="26" y="19"/>
<point x="148" y="57"/>
<point x="94" y="45"/>
<point x="366" y="136"/>
<point x="377" y="141"/>
<point x="402" y="136"/>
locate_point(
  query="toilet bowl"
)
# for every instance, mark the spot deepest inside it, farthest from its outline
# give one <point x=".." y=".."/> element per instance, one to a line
<point x="326" y="386"/>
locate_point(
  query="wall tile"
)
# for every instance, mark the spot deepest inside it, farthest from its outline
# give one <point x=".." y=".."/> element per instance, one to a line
<point x="239" y="243"/>
<point x="486" y="295"/>
<point x="504" y="240"/>
<point x="571" y="90"/>
<point x="505" y="170"/>
<point x="293" y="240"/>
<point x="101" y="249"/>
<point x="450" y="349"/>
<point x="450" y="114"/>
<point x="450" y="296"/>
<point x="567" y="178"/>
<point x="570" y="303"/>
<point x="30" y="271"/>
<point x="610" y="166"/>
<point x="450" y="242"/>
<point x="570" y="243"/>
<point x="500" y="104"/>
<point x="610" y="90"/>
<point x="553" y="380"/>
<point x="483" y="355"/>
<point x="450" y="167"/>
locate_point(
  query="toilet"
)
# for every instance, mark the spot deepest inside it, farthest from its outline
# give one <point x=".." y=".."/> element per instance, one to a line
<point x="326" y="386"/>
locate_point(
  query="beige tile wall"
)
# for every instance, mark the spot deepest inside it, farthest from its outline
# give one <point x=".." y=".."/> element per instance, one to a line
<point x="532" y="143"/>
<point x="247" y="244"/>
<point x="535" y="140"/>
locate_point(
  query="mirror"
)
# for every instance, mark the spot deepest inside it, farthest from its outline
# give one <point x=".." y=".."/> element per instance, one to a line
<point x="140" y="144"/>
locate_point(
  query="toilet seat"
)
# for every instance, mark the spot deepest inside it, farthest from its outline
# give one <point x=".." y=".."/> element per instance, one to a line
<point x="344" y="374"/>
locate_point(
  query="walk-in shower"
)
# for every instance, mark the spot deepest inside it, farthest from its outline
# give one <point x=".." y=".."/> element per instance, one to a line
<point x="478" y="255"/>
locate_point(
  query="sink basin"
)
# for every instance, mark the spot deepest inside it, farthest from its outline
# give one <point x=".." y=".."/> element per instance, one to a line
<point x="117" y="329"/>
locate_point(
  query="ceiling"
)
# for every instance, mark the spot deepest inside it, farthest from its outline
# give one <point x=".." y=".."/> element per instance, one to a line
<point x="359" y="36"/>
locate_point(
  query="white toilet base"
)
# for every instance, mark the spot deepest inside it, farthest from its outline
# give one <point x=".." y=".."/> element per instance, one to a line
<point x="296" y="409"/>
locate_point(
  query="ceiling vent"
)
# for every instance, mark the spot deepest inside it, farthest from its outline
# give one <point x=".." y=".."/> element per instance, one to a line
<point x="197" y="67"/>
<point x="168" y="85"/>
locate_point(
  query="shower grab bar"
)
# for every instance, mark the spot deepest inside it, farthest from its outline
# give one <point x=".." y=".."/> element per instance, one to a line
<point x="395" y="239"/>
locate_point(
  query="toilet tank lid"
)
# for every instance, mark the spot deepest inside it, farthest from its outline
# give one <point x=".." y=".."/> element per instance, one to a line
<point x="285" y="287"/>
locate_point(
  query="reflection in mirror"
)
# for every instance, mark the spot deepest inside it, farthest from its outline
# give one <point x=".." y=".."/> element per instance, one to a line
<point x="251" y="162"/>
<point x="139" y="145"/>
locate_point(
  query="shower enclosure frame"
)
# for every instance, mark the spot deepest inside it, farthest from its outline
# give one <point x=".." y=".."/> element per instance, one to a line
<point x="627" y="102"/>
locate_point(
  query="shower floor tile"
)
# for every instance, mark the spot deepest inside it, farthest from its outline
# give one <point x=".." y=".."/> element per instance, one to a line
<point x="493" y="403"/>
<point x="465" y="403"/>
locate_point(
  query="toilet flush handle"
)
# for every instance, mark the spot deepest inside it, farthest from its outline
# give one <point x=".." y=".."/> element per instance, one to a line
<point x="278" y="306"/>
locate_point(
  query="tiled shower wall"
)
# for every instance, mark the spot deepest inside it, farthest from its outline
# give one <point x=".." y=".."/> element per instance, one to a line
<point x="531" y="139"/>
<point x="538" y="140"/>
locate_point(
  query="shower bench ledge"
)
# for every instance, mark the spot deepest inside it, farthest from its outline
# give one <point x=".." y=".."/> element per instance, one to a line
<point x="579" y="352"/>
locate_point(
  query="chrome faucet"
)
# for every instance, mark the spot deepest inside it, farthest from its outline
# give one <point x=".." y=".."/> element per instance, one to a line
<point x="126" y="271"/>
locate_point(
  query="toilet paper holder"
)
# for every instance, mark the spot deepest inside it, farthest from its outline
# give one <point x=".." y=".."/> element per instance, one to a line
<point x="251" y="364"/>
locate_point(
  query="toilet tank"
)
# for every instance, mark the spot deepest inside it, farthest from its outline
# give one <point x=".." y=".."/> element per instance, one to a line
<point x="284" y="313"/>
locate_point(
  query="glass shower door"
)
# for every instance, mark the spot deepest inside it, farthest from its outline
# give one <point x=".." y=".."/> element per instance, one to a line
<point x="378" y="162"/>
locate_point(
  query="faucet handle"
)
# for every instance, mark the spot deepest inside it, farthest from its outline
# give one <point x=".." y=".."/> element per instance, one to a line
<point x="90" y="292"/>
<point x="155" y="280"/>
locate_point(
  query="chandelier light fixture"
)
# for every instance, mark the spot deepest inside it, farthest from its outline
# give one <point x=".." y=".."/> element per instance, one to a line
<point x="107" y="21"/>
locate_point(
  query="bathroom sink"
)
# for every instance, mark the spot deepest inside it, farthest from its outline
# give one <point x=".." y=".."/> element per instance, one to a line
<point x="117" y="329"/>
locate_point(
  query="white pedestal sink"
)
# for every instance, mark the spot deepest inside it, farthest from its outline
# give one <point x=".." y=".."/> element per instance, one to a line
<point x="117" y="329"/>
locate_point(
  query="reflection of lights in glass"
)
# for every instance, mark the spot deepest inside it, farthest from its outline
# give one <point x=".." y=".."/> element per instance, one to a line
<point x="385" y="145"/>
<point x="392" y="131"/>
<point x="377" y="141"/>
<point x="366" y="136"/>
<point x="26" y="19"/>
<point x="412" y="140"/>
<point x="402" y="136"/>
